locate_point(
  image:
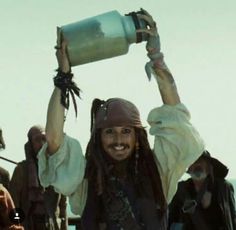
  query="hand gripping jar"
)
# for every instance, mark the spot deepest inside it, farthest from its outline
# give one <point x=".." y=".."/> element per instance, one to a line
<point x="100" y="37"/>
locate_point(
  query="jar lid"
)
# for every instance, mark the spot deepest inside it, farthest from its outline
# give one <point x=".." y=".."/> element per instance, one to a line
<point x="139" y="24"/>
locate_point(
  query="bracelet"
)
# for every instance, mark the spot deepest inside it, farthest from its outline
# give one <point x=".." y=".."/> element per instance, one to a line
<point x="68" y="87"/>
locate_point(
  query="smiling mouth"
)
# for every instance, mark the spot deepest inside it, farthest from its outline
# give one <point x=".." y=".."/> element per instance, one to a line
<point x="119" y="147"/>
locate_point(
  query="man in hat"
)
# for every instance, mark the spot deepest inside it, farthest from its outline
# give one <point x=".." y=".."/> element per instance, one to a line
<point x="4" y="174"/>
<point x="121" y="183"/>
<point x="44" y="209"/>
<point x="206" y="200"/>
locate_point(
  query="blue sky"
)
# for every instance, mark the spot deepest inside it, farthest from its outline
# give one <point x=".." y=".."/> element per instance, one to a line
<point x="198" y="40"/>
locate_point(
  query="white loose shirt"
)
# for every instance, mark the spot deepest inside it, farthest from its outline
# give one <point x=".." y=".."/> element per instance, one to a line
<point x="177" y="145"/>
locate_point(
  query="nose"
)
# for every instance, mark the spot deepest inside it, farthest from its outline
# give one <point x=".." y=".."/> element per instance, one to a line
<point x="118" y="138"/>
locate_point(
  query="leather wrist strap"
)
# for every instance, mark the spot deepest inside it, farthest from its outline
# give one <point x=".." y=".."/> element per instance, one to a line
<point x="68" y="87"/>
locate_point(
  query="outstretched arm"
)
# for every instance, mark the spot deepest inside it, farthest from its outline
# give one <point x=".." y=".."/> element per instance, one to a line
<point x="157" y="65"/>
<point x="56" y="111"/>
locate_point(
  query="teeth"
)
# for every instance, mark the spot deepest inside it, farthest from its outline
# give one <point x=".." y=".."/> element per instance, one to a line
<point x="119" y="148"/>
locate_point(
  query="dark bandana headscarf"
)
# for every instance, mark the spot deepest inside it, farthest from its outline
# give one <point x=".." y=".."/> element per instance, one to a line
<point x="114" y="112"/>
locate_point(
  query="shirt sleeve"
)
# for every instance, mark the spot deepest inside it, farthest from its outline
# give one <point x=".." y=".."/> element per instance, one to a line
<point x="177" y="144"/>
<point x="64" y="170"/>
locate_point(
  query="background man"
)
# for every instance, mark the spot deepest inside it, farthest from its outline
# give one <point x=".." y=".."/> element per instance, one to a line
<point x="43" y="208"/>
<point x="206" y="200"/>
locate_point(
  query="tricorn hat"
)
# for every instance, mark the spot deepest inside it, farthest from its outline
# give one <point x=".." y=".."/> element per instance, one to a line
<point x="219" y="169"/>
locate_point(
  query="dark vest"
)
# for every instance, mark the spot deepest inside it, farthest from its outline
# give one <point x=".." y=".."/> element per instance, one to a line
<point x="141" y="212"/>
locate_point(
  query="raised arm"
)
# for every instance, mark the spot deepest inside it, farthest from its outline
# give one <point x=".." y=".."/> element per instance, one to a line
<point x="157" y="65"/>
<point x="56" y="111"/>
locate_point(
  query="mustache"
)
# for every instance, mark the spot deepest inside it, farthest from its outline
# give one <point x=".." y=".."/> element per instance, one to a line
<point x="116" y="144"/>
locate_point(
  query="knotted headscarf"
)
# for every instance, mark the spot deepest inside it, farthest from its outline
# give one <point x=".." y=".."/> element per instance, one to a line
<point x="115" y="112"/>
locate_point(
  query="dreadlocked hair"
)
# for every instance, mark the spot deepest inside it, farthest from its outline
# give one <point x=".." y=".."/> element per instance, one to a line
<point x="97" y="103"/>
<point x="147" y="169"/>
<point x="96" y="168"/>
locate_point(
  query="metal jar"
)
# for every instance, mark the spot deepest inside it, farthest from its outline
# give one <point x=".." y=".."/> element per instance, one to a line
<point x="100" y="37"/>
